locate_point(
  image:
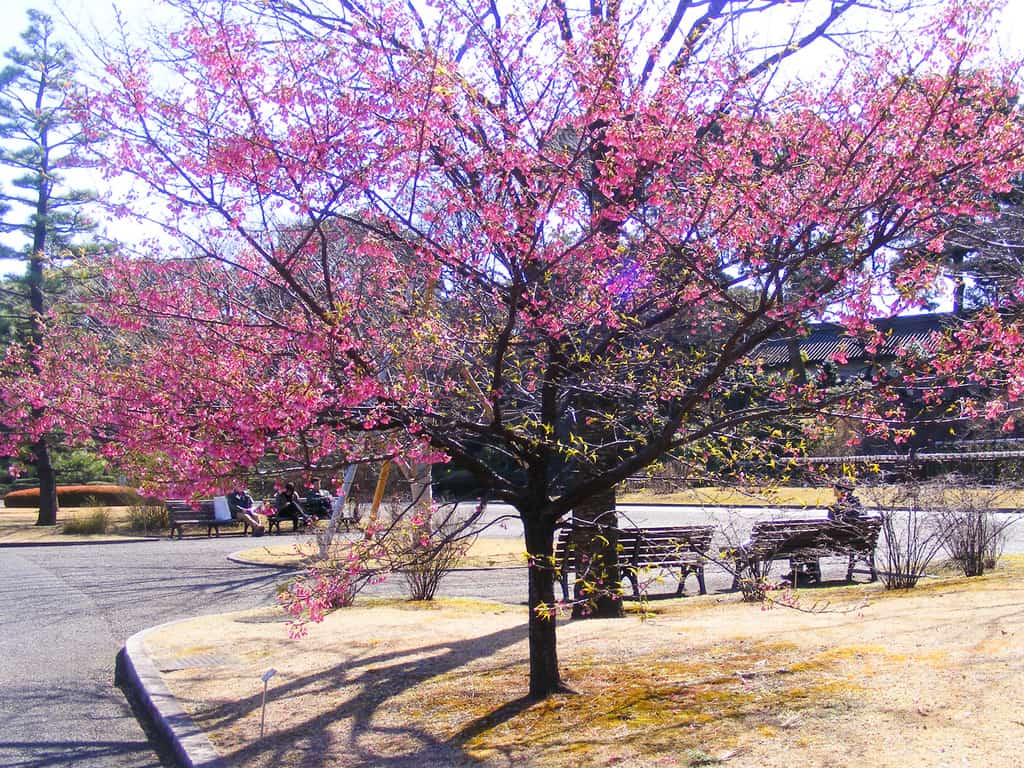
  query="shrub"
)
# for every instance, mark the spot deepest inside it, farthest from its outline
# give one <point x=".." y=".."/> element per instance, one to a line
<point x="422" y="544"/>
<point x="148" y="518"/>
<point x="429" y="557"/>
<point x="973" y="535"/>
<point x="912" y="531"/>
<point x="754" y="589"/>
<point x="97" y="521"/>
<point x="77" y="496"/>
<point x="753" y="581"/>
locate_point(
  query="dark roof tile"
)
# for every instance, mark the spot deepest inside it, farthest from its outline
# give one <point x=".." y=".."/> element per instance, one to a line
<point x="825" y="342"/>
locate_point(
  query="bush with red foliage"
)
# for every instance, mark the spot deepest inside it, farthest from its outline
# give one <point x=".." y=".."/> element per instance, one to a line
<point x="77" y="496"/>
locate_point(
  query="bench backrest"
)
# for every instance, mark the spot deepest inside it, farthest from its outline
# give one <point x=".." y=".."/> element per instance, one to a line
<point x="640" y="546"/>
<point x="644" y="545"/>
<point x="182" y="510"/>
<point x="782" y="536"/>
<point x="317" y="505"/>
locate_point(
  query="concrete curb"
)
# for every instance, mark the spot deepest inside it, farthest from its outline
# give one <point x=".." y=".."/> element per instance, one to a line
<point x="184" y="740"/>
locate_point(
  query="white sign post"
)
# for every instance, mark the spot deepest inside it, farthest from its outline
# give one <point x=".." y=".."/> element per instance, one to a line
<point x="265" y="677"/>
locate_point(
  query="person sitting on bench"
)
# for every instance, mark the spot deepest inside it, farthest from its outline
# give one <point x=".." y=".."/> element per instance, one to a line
<point x="846" y="508"/>
<point x="287" y="504"/>
<point x="241" y="505"/>
<point x="318" y="500"/>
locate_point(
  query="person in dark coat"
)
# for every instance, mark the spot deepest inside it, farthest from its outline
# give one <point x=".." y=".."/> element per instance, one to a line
<point x="847" y="506"/>
<point x="318" y="500"/>
<point x="287" y="505"/>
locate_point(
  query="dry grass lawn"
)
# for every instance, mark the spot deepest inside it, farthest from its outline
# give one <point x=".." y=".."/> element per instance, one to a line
<point x="482" y="553"/>
<point x="933" y="677"/>
<point x="17" y="526"/>
<point x="697" y="497"/>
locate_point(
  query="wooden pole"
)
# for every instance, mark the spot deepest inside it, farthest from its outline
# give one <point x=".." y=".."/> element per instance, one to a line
<point x="378" y="493"/>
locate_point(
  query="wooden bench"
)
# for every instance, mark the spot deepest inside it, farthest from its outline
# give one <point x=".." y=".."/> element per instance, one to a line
<point x="803" y="543"/>
<point x="182" y="513"/>
<point x="667" y="548"/>
<point x="318" y="507"/>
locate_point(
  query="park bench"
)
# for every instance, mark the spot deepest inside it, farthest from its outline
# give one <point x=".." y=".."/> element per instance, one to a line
<point x="182" y="513"/>
<point x="664" y="548"/>
<point x="320" y="507"/>
<point x="803" y="543"/>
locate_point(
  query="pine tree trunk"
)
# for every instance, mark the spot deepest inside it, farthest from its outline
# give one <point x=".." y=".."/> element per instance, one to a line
<point x="544" y="677"/>
<point x="598" y="591"/>
<point x="40" y="450"/>
<point x="47" y="484"/>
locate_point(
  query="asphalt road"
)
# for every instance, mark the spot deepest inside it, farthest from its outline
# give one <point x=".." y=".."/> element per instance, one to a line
<point x="66" y="611"/>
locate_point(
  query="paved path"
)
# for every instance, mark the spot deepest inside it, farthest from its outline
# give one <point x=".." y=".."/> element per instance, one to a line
<point x="66" y="611"/>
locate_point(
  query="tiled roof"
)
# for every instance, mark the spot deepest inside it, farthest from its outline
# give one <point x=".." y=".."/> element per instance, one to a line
<point x="826" y="341"/>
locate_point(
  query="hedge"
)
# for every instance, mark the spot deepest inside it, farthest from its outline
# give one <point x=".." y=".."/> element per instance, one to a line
<point x="77" y="496"/>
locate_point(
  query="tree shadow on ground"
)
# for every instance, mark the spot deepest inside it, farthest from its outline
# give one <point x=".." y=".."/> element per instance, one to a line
<point x="379" y="679"/>
<point x="46" y="754"/>
<point x="58" y="738"/>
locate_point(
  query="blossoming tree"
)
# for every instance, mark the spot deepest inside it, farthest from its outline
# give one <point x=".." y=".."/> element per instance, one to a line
<point x="538" y="243"/>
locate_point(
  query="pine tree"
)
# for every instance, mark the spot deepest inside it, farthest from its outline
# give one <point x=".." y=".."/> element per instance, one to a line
<point x="40" y="140"/>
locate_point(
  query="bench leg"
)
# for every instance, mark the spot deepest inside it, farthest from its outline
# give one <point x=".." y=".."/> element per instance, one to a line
<point x="683" y="573"/>
<point x="696" y="570"/>
<point x="869" y="561"/>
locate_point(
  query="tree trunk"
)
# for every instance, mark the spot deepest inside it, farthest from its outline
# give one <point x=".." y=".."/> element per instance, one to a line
<point x="421" y="487"/>
<point x="598" y="594"/>
<point x="544" y="677"/>
<point x="796" y="360"/>
<point x="47" y="484"/>
<point x="40" y="450"/>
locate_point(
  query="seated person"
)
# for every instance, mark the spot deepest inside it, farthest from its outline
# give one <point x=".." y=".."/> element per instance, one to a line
<point x="241" y="505"/>
<point x="318" y="500"/>
<point x="847" y="506"/>
<point x="287" y="505"/>
<point x="239" y="500"/>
